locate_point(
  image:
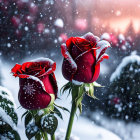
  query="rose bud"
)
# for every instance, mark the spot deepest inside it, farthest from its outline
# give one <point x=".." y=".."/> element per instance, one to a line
<point x="38" y="87"/>
<point x="82" y="57"/>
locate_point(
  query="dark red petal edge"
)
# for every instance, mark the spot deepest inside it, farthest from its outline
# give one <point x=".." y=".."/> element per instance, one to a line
<point x="68" y="57"/>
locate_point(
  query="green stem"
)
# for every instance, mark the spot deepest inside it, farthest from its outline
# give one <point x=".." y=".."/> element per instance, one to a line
<point x="53" y="137"/>
<point x="73" y="111"/>
<point x="45" y="136"/>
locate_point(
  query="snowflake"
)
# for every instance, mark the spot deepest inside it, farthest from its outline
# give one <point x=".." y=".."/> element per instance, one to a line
<point x="29" y="88"/>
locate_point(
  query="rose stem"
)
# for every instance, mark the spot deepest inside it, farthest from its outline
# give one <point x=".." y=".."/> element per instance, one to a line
<point x="53" y="137"/>
<point x="45" y="136"/>
<point x="73" y="111"/>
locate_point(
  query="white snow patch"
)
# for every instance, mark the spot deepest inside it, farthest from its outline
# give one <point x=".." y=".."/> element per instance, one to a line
<point x="6" y="118"/>
<point x="42" y="59"/>
<point x="121" y="37"/>
<point x="128" y="59"/>
<point x="105" y="36"/>
<point x="102" y="44"/>
<point x="8" y="96"/>
<point x="59" y="23"/>
<point x="77" y="82"/>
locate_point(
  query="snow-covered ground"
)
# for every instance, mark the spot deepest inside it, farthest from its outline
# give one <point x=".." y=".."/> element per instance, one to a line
<point x="83" y="128"/>
<point x="127" y="131"/>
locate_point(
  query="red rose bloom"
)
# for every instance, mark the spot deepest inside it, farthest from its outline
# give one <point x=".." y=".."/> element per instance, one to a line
<point x="82" y="57"/>
<point x="37" y="83"/>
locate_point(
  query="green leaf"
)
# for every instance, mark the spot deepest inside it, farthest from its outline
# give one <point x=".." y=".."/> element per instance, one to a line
<point x="31" y="130"/>
<point x="58" y="113"/>
<point x="28" y="118"/>
<point x="7" y="131"/>
<point x="80" y="107"/>
<point x="8" y="106"/>
<point x="38" y="136"/>
<point x="90" y="91"/>
<point x="24" y="114"/>
<point x="49" y="123"/>
<point x="66" y="87"/>
<point x="63" y="108"/>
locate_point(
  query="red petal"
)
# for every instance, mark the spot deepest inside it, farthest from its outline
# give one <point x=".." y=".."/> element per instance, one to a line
<point x="69" y="43"/>
<point x="69" y="67"/>
<point x="23" y="76"/>
<point x="96" y="72"/>
<point x="85" y="63"/>
<point x="16" y="69"/>
<point x="49" y="71"/>
<point x="32" y="95"/>
<point x="50" y="84"/>
<point x="82" y="43"/>
<point x="38" y="67"/>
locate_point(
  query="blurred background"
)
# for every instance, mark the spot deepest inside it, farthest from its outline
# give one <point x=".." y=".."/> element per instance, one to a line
<point x="36" y="28"/>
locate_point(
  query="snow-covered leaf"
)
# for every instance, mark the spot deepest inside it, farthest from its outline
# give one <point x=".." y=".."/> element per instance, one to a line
<point x="49" y="123"/>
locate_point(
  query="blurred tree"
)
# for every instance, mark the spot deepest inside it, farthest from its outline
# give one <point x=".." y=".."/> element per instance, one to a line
<point x="123" y="99"/>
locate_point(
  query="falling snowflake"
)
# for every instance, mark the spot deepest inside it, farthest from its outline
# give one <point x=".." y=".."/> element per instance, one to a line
<point x="29" y="88"/>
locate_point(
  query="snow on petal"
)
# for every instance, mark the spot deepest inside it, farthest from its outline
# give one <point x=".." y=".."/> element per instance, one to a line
<point x="104" y="56"/>
<point x="37" y="80"/>
<point x="91" y="37"/>
<point x="103" y="45"/>
<point x="105" y="36"/>
<point x="67" y="56"/>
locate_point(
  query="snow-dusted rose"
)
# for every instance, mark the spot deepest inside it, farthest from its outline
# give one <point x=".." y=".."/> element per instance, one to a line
<point x="82" y="57"/>
<point x="38" y="87"/>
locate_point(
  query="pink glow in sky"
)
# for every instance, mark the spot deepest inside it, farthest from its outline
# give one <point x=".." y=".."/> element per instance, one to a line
<point x="117" y="14"/>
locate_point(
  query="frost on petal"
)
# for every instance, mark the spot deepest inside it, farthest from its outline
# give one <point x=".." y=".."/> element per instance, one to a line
<point x="104" y="56"/>
<point x="32" y="93"/>
<point x="103" y="45"/>
<point x="105" y="36"/>
<point x="90" y="37"/>
<point x="69" y="66"/>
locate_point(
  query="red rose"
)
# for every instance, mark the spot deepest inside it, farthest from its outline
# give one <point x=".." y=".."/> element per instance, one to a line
<point x="82" y="57"/>
<point x="37" y="82"/>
